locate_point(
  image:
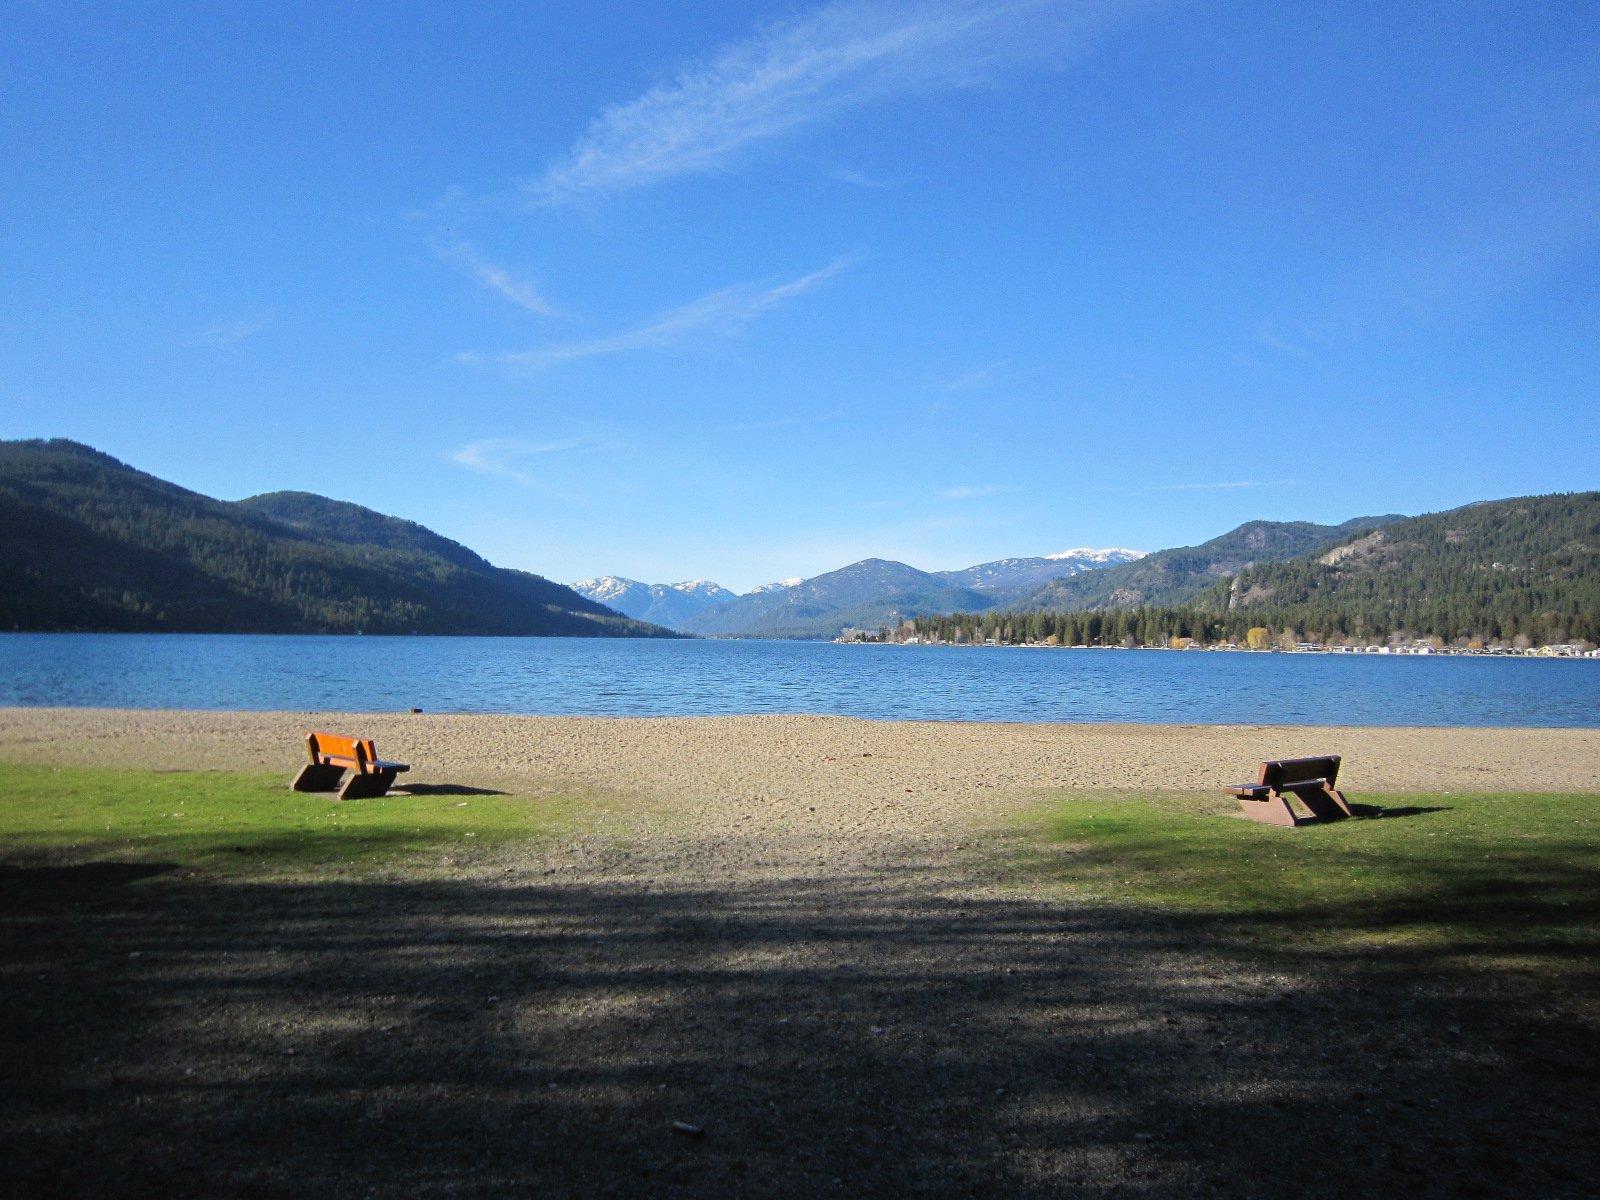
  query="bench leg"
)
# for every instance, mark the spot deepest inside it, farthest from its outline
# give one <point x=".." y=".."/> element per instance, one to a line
<point x="317" y="777"/>
<point x="1321" y="802"/>
<point x="1274" y="810"/>
<point x="368" y="786"/>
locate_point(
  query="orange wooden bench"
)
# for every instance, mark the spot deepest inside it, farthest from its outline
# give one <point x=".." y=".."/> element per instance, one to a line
<point x="330" y="755"/>
<point x="1309" y="780"/>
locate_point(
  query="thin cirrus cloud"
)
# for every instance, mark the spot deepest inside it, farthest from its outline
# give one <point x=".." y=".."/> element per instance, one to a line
<point x="973" y="491"/>
<point x="797" y="72"/>
<point x="1233" y="485"/>
<point x="974" y="378"/>
<point x="513" y="458"/>
<point x="229" y="335"/>
<point x="765" y="424"/>
<point x="718" y="314"/>
<point x="497" y="279"/>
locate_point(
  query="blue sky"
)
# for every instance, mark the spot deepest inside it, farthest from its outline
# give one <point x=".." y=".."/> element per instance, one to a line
<point x="743" y="291"/>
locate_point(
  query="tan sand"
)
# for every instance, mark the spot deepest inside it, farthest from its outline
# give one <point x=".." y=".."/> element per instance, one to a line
<point x="821" y="775"/>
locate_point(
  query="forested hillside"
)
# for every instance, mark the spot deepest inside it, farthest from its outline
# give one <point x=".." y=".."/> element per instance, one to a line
<point x="1494" y="570"/>
<point x="87" y="542"/>
<point x="1183" y="574"/>
<point x="1521" y="571"/>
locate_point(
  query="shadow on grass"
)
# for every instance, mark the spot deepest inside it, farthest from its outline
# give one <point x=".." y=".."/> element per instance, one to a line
<point x="1391" y="811"/>
<point x="855" y="1036"/>
<point x="443" y="789"/>
<point x="73" y="881"/>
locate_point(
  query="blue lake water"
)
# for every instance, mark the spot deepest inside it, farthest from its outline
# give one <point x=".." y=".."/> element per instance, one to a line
<point x="634" y="678"/>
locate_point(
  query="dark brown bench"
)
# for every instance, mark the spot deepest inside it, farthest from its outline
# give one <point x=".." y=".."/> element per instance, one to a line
<point x="330" y="755"/>
<point x="1309" y="780"/>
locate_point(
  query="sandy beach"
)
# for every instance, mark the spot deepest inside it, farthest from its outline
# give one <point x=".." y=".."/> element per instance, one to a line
<point x="811" y="774"/>
<point x="806" y="760"/>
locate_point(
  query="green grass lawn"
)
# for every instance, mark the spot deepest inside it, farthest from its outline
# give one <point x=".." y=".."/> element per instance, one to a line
<point x="1509" y="878"/>
<point x="246" y="823"/>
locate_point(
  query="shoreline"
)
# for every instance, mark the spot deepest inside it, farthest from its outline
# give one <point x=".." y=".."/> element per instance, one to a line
<point x="937" y="722"/>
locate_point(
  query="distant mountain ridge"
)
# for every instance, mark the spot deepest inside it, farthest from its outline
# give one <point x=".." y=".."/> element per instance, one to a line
<point x="88" y="542"/>
<point x="1184" y="573"/>
<point x="865" y="594"/>
<point x="1008" y="579"/>
<point x="669" y="604"/>
<point x="869" y="591"/>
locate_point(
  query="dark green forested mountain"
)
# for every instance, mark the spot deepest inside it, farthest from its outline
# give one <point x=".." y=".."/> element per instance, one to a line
<point x="341" y="521"/>
<point x="1183" y="574"/>
<point x="1529" y="565"/>
<point x="87" y="542"/>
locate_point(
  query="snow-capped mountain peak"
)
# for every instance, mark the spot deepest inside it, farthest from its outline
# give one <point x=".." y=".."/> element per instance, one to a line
<point x="1109" y="554"/>
<point x="605" y="587"/>
<point x="703" y="588"/>
<point x="775" y="587"/>
<point x="669" y="604"/>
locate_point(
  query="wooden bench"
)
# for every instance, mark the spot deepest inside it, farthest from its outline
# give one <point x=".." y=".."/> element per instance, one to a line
<point x="1309" y="780"/>
<point x="330" y="755"/>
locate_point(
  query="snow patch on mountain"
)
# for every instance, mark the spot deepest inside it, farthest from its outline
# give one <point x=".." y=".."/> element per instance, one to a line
<point x="795" y="581"/>
<point x="669" y="604"/>
<point x="605" y="587"/>
<point x="704" y="588"/>
<point x="1109" y="555"/>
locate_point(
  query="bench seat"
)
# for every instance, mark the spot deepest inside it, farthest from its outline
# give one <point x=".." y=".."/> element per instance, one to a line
<point x="330" y="755"/>
<point x="377" y="764"/>
<point x="1309" y="781"/>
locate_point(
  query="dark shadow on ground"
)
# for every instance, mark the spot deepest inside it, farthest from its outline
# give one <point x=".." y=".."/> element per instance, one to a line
<point x="443" y="789"/>
<point x="877" y="1036"/>
<point x="1396" y="810"/>
<point x="74" y="881"/>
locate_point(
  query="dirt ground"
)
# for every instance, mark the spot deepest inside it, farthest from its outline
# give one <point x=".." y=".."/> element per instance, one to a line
<point x="798" y="947"/>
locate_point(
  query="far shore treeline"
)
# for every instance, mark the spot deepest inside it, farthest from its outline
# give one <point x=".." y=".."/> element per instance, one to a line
<point x="1257" y="630"/>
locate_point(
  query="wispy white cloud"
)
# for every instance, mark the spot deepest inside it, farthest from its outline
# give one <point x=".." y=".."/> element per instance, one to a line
<point x="230" y="335"/>
<point x="796" y="72"/>
<point x="718" y="314"/>
<point x="497" y="279"/>
<point x="974" y="378"/>
<point x="828" y="417"/>
<point x="1234" y="485"/>
<point x="973" y="491"/>
<point x="859" y="179"/>
<point x="513" y="458"/>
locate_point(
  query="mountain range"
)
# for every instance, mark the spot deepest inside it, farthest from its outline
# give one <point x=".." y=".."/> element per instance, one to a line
<point x="88" y="542"/>
<point x="866" y="594"/>
<point x="1179" y="575"/>
<point x="669" y="604"/>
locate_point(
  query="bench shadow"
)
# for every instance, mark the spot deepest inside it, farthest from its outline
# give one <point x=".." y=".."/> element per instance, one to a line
<point x="1389" y="811"/>
<point x="443" y="789"/>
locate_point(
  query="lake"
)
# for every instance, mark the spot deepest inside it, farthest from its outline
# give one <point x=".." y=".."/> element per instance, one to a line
<point x="609" y="677"/>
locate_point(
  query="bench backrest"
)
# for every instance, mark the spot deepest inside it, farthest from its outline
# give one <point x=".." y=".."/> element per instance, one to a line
<point x="1286" y="772"/>
<point x="334" y="745"/>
